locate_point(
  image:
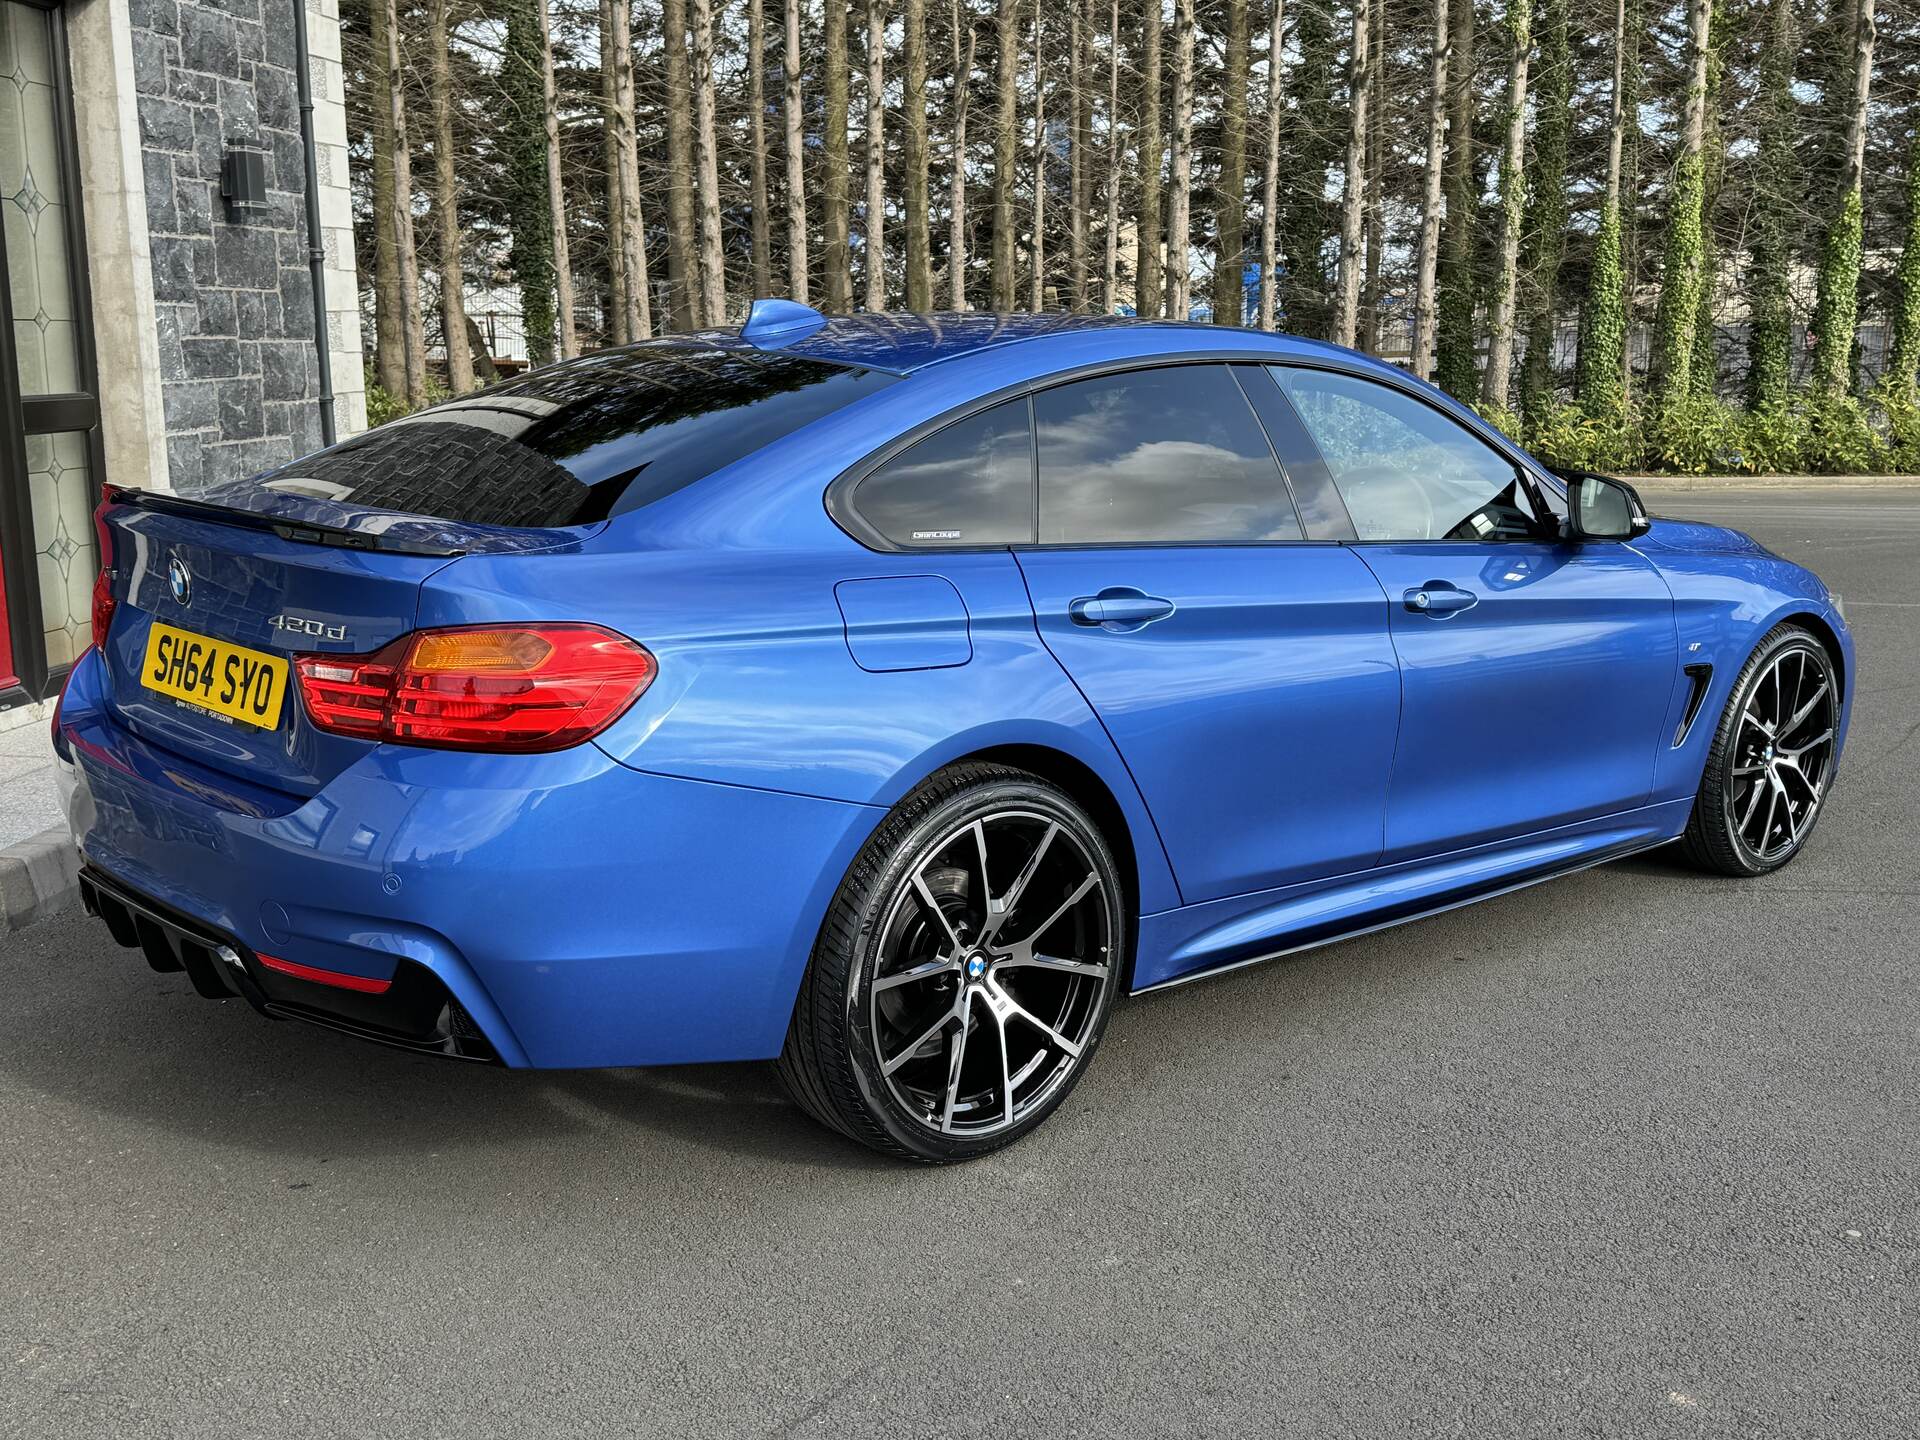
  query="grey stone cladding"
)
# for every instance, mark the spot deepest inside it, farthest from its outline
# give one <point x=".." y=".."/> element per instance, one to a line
<point x="240" y="379"/>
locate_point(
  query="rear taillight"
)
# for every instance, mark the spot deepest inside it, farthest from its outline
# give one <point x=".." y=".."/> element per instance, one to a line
<point x="480" y="687"/>
<point x="103" y="601"/>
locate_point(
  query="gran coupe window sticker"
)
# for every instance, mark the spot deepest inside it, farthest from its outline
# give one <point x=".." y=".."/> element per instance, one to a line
<point x="968" y="483"/>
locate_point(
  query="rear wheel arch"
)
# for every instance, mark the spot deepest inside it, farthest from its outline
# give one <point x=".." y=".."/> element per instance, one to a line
<point x="1090" y="792"/>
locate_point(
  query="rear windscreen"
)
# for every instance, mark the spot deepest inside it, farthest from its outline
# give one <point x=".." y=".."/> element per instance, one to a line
<point x="580" y="441"/>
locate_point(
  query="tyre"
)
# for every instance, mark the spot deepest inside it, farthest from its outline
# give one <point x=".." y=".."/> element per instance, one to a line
<point x="964" y="972"/>
<point x="1771" y="761"/>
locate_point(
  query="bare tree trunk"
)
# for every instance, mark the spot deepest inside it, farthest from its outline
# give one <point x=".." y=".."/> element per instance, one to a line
<point x="1353" y="204"/>
<point x="446" y="209"/>
<point x="757" y="101"/>
<point x="618" y="331"/>
<point x="957" y="197"/>
<point x="1230" y="218"/>
<point x="1864" y="35"/>
<point x="632" y="225"/>
<point x="556" y="191"/>
<point x="1270" y="189"/>
<point x="1376" y="178"/>
<point x="389" y="326"/>
<point x="1004" y="118"/>
<point x="683" y="263"/>
<point x="1500" y="316"/>
<point x="913" y="96"/>
<point x="1149" y="295"/>
<point x="876" y="145"/>
<point x="1078" y="24"/>
<point x="796" y="161"/>
<point x="835" y="249"/>
<point x="1455" y="366"/>
<point x="1179" y="214"/>
<point x="1616" y="108"/>
<point x="1427" y="263"/>
<point x="1110" y="276"/>
<point x="1039" y="247"/>
<point x="413" y="324"/>
<point x="713" y="256"/>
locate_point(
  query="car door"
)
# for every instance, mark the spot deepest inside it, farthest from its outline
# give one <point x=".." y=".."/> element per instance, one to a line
<point x="1536" y="673"/>
<point x="1243" y="672"/>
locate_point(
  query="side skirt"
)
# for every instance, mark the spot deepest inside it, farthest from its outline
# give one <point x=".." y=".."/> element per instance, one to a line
<point x="1327" y="912"/>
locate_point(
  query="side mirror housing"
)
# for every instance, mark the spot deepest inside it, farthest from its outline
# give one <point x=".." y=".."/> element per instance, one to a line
<point x="1602" y="508"/>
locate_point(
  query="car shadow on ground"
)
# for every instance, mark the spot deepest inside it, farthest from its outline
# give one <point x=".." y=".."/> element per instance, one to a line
<point x="88" y="1025"/>
<point x="93" y="1028"/>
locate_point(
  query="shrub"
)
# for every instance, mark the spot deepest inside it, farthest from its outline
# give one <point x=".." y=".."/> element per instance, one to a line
<point x="1841" y="438"/>
<point x="1696" y="435"/>
<point x="1567" y="436"/>
<point x="1774" y="439"/>
<point x="383" y="405"/>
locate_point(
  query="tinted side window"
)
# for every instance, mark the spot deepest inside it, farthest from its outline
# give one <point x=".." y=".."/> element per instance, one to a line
<point x="970" y="483"/>
<point x="1406" y="471"/>
<point x="1171" y="454"/>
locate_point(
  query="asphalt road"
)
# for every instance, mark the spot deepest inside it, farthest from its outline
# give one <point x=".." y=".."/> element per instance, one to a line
<point x="1637" y="1153"/>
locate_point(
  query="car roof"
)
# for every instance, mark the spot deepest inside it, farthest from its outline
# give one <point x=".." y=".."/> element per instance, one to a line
<point x="904" y="343"/>
<point x="907" y="343"/>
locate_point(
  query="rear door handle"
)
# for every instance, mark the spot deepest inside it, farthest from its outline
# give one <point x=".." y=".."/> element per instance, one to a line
<point x="1439" y="599"/>
<point x="1119" y="608"/>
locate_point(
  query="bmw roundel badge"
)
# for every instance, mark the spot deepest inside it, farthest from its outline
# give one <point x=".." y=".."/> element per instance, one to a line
<point x="179" y="580"/>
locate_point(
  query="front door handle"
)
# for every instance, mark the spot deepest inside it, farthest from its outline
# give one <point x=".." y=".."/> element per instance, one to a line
<point x="1119" y="608"/>
<point x="1439" y="599"/>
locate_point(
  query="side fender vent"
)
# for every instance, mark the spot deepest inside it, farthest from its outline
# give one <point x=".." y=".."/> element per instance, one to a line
<point x="1699" y="676"/>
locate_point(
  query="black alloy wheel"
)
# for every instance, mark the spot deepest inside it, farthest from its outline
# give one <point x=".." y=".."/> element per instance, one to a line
<point x="965" y="972"/>
<point x="1772" y="760"/>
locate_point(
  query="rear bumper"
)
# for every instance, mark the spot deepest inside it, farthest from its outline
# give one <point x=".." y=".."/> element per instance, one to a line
<point x="414" y="1011"/>
<point x="574" y="911"/>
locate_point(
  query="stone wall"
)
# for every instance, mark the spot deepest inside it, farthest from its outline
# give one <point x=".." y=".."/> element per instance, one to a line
<point x="240" y="377"/>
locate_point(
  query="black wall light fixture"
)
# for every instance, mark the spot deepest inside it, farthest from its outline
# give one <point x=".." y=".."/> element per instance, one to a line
<point x="243" y="178"/>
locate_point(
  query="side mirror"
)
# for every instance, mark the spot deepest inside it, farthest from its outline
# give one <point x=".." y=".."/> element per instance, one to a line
<point x="1602" y="508"/>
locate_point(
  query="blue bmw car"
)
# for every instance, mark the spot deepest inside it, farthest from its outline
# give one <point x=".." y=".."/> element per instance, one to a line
<point x="887" y="696"/>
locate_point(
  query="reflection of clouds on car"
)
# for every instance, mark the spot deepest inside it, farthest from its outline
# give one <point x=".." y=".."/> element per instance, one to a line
<point x="1109" y="471"/>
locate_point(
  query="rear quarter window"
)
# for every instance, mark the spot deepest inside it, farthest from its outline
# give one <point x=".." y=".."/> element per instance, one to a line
<point x="578" y="442"/>
<point x="967" y="484"/>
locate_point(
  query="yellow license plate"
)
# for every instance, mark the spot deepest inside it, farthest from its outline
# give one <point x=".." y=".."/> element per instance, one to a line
<point x="229" y="680"/>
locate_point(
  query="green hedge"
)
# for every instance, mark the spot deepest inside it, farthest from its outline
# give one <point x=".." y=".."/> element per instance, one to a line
<point x="1809" y="434"/>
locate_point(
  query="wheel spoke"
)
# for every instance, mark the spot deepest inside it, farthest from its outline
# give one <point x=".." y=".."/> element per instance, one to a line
<point x="1014" y="1007"/>
<point x="1001" y="911"/>
<point x="1796" y="751"/>
<point x="1006" y="1072"/>
<point x="945" y="965"/>
<point x="1079" y="894"/>
<point x="959" y="1058"/>
<point x="933" y="907"/>
<point x="1800" y="715"/>
<point x="1049" y="962"/>
<point x="1774" y="790"/>
<point x="1813" y="790"/>
<point x="887" y="1067"/>
<point x="1754" y="795"/>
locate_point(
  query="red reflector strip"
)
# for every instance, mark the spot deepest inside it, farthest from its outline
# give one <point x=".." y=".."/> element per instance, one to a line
<point x="326" y="977"/>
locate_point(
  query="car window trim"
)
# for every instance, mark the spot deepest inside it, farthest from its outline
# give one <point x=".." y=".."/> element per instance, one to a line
<point x="1522" y="472"/>
<point x="837" y="499"/>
